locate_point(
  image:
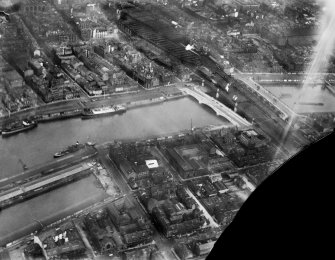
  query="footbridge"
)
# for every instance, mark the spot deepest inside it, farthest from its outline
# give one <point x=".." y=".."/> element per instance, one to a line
<point x="219" y="108"/>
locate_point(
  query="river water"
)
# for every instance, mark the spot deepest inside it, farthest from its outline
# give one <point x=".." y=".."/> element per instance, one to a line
<point x="310" y="98"/>
<point x="38" y="145"/>
<point x="24" y="218"/>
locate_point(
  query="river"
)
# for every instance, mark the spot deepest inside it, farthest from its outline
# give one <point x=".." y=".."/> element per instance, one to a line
<point x="23" y="218"/>
<point x="38" y="145"/>
<point x="313" y="99"/>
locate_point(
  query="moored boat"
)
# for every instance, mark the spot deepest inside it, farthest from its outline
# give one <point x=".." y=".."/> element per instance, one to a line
<point x="103" y="111"/>
<point x="70" y="149"/>
<point x="18" y="127"/>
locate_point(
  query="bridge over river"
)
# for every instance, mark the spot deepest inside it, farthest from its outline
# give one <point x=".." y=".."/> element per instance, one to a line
<point x="219" y="108"/>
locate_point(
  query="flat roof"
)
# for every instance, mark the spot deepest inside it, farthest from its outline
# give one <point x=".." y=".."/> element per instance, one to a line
<point x="66" y="248"/>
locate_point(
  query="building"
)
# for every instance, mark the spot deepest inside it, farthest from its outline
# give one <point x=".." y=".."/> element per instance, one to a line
<point x="184" y="168"/>
<point x="202" y="248"/>
<point x="61" y="242"/>
<point x="247" y="4"/>
<point x="90" y="7"/>
<point x="171" y="228"/>
<point x="197" y="160"/>
<point x="183" y="252"/>
<point x="34" y="7"/>
<point x="202" y="187"/>
<point x="36" y="66"/>
<point x="173" y="210"/>
<point x="101" y="233"/>
<point x="62" y="4"/>
<point x="284" y="35"/>
<point x="252" y="138"/>
<point x="132" y="226"/>
<point x="220" y="187"/>
<point x="65" y="54"/>
<point x="86" y="34"/>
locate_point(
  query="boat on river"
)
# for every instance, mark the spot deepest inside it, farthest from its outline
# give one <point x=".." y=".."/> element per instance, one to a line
<point x="16" y="127"/>
<point x="103" y="111"/>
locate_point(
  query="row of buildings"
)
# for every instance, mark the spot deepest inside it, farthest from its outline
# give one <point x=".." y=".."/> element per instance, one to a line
<point x="198" y="159"/>
<point x="87" y="79"/>
<point x="182" y="211"/>
<point x="61" y="242"/>
<point x="245" y="148"/>
<point x="94" y="74"/>
<point x="146" y="72"/>
<point x="117" y="227"/>
<point x="14" y="94"/>
<point x="46" y="23"/>
<point x="175" y="213"/>
<point x="256" y="21"/>
<point x="172" y="206"/>
<point x="139" y="166"/>
<point x="49" y="81"/>
<point x="194" y="249"/>
<point x="16" y="47"/>
<point x="217" y="196"/>
<point x="91" y="24"/>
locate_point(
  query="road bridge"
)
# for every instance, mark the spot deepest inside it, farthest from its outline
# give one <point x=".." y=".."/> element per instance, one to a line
<point x="219" y="108"/>
<point x="285" y="111"/>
